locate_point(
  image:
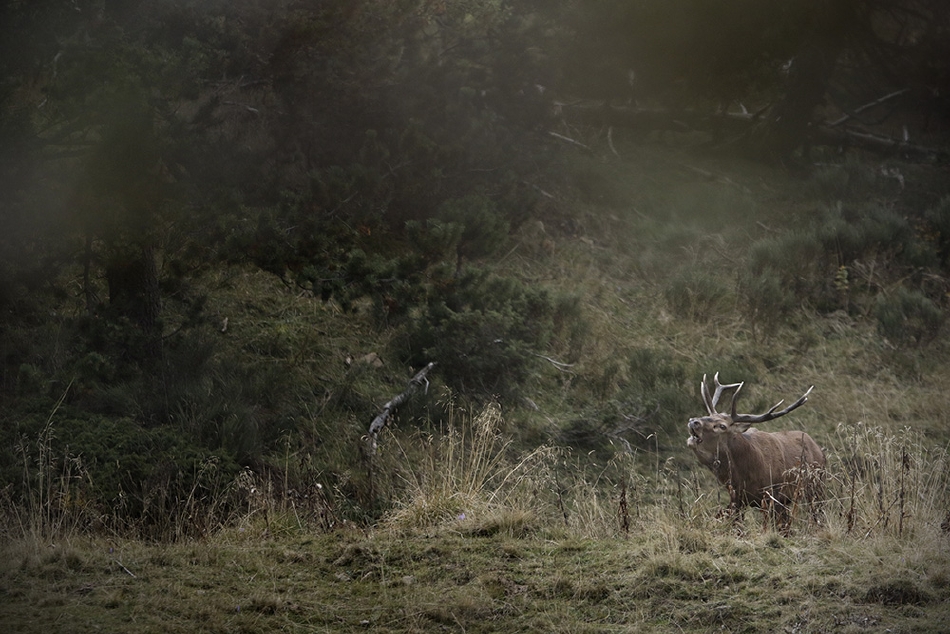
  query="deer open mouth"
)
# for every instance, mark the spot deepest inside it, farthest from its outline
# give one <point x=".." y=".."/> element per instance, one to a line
<point x="694" y="437"/>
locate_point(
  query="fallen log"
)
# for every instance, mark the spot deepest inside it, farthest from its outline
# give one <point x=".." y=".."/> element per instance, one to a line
<point x="655" y="118"/>
<point x="390" y="407"/>
<point x="739" y="124"/>
<point x="826" y="135"/>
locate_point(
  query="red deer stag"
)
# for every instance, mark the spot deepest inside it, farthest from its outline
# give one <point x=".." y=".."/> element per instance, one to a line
<point x="768" y="470"/>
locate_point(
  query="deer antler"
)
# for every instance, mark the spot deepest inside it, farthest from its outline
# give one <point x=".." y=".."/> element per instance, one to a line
<point x="711" y="402"/>
<point x="769" y="415"/>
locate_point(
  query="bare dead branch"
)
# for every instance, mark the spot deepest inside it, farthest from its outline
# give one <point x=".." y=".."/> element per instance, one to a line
<point x="610" y="141"/>
<point x="563" y="367"/>
<point x="876" y="102"/>
<point x="568" y="139"/>
<point x="250" y="109"/>
<point x="383" y="417"/>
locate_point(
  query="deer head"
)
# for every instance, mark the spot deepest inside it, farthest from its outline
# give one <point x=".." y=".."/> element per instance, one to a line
<point x="719" y="424"/>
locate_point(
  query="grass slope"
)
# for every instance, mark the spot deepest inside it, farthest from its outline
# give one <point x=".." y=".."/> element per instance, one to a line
<point x="655" y="580"/>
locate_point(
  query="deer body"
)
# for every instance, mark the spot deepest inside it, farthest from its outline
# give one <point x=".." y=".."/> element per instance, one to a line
<point x="768" y="470"/>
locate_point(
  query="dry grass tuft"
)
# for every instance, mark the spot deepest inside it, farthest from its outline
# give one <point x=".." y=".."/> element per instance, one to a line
<point x="886" y="483"/>
<point x="468" y="478"/>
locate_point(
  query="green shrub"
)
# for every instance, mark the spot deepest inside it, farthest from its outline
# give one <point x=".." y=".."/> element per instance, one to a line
<point x="796" y="259"/>
<point x="843" y="181"/>
<point x="656" y="382"/>
<point x="939" y="219"/>
<point x="908" y="317"/>
<point x="851" y="234"/>
<point x="696" y="293"/>
<point x="650" y="396"/>
<point x="483" y="228"/>
<point x="120" y="474"/>
<point x="487" y="331"/>
<point x="813" y="264"/>
<point x="765" y="302"/>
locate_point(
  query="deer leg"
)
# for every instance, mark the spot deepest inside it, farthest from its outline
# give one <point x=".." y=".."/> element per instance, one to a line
<point x="816" y="495"/>
<point x="736" y="509"/>
<point x="783" y="519"/>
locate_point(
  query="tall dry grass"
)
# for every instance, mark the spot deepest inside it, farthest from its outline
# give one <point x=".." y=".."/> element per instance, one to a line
<point x="55" y="499"/>
<point x="876" y="484"/>
<point x="886" y="483"/>
<point x="467" y="476"/>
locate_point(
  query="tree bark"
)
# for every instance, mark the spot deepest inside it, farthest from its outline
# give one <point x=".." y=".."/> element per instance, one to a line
<point x="134" y="293"/>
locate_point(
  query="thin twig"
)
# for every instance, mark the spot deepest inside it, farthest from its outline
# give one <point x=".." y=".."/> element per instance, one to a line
<point x="560" y="365"/>
<point x="241" y="105"/>
<point x="860" y="109"/>
<point x="131" y="574"/>
<point x="568" y="140"/>
<point x="610" y="141"/>
<point x="539" y="190"/>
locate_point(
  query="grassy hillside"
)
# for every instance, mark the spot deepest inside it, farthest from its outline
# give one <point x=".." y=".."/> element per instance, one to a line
<point x="574" y="505"/>
<point x="679" y="578"/>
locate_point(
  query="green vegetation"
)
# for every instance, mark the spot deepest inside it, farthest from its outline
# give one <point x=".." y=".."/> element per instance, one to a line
<point x="484" y="539"/>
<point x="234" y="230"/>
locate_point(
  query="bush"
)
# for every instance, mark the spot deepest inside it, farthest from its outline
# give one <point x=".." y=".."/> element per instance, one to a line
<point x="483" y="228"/>
<point x="695" y="293"/>
<point x="650" y="396"/>
<point x="813" y="264"/>
<point x="939" y="219"/>
<point x="657" y="381"/>
<point x="907" y="317"/>
<point x="797" y="260"/>
<point x="851" y="234"/>
<point x="766" y="303"/>
<point x="843" y="181"/>
<point x="486" y="331"/>
<point x="76" y="468"/>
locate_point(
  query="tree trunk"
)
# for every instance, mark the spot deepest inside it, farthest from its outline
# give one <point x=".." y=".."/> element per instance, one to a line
<point x="151" y="305"/>
<point x="786" y="127"/>
<point x="134" y="293"/>
<point x="88" y="292"/>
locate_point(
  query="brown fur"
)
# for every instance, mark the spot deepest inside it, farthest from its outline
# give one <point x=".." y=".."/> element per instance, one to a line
<point x="768" y="470"/>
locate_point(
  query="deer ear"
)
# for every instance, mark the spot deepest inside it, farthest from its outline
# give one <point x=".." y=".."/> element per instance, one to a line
<point x="741" y="428"/>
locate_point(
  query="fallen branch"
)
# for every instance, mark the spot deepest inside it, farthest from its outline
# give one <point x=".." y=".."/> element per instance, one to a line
<point x="655" y="119"/>
<point x="836" y="132"/>
<point x="610" y="141"/>
<point x="875" y="142"/>
<point x="876" y="102"/>
<point x="539" y="190"/>
<point x="568" y="140"/>
<point x="130" y="573"/>
<point x="383" y="417"/>
<point x="250" y="109"/>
